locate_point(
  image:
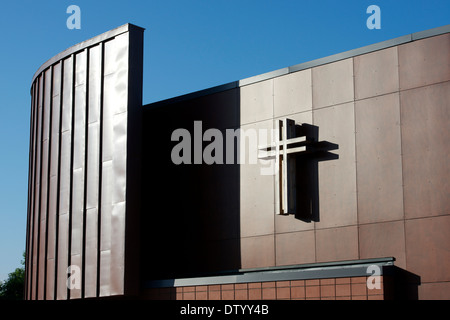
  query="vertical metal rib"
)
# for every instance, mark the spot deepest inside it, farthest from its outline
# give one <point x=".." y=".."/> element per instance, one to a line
<point x="37" y="219"/>
<point x="86" y="148"/>
<point x="64" y="176"/>
<point x="58" y="194"/>
<point x="72" y="134"/>
<point x="48" y="105"/>
<point x="100" y="166"/>
<point x="31" y="190"/>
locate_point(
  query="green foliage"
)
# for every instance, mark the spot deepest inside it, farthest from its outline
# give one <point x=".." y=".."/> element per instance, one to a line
<point x="12" y="287"/>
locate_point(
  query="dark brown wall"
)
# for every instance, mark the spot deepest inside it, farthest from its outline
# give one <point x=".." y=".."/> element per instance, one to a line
<point x="190" y="217"/>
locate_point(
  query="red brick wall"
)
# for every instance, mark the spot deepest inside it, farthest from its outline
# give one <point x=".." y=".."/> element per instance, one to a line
<point x="354" y="288"/>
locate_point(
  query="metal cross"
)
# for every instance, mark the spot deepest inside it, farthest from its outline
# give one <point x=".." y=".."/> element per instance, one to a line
<point x="284" y="149"/>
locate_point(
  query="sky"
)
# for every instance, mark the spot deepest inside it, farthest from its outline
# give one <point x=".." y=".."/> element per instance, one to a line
<point x="189" y="45"/>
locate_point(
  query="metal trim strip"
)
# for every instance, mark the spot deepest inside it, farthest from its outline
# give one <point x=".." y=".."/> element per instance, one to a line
<point x="340" y="269"/>
<point x="264" y="76"/>
<point x="351" y="53"/>
<point x="430" y="32"/>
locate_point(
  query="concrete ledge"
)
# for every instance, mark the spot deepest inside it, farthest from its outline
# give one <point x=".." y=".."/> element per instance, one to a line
<point x="339" y="269"/>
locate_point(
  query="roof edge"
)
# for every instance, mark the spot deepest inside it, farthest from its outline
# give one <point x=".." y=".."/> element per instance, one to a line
<point x="87" y="43"/>
<point x="309" y="64"/>
<point x="351" y="268"/>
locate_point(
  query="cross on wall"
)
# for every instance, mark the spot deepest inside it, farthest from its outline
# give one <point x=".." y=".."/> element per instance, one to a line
<point x="284" y="150"/>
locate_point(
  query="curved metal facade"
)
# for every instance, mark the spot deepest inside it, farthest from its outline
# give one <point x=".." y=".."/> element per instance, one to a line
<point x="84" y="160"/>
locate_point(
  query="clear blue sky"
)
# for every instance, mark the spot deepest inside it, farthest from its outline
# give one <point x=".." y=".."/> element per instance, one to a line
<point x="189" y="45"/>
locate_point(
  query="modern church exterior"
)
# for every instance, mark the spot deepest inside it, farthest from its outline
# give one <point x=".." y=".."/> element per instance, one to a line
<point x="324" y="180"/>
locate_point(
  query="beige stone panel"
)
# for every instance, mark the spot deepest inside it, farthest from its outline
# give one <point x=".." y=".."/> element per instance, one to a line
<point x="295" y="248"/>
<point x="257" y="252"/>
<point x="292" y="93"/>
<point x="337" y="178"/>
<point x="256" y="102"/>
<point x="387" y="239"/>
<point x="332" y="83"/>
<point x="428" y="244"/>
<point x="376" y="73"/>
<point x="379" y="162"/>
<point x="337" y="244"/>
<point x="424" y="62"/>
<point x="425" y="117"/>
<point x="257" y="190"/>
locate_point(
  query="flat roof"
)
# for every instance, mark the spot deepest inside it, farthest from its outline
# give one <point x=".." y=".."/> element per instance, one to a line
<point x="305" y="65"/>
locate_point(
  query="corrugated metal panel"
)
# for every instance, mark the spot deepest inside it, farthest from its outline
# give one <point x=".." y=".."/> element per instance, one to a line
<point x="79" y="143"/>
<point x="93" y="171"/>
<point x="78" y="168"/>
<point x="28" y="265"/>
<point x="37" y="189"/>
<point x="53" y="186"/>
<point x="91" y="247"/>
<point x="65" y="178"/>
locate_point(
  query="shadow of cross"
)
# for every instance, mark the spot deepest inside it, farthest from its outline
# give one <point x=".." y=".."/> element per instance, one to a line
<point x="295" y="152"/>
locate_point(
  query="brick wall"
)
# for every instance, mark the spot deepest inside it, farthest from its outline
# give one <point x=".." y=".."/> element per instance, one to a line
<point x="354" y="288"/>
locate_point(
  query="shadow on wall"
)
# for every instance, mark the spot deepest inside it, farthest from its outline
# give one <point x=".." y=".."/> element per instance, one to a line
<point x="191" y="212"/>
<point x="307" y="172"/>
<point x="400" y="284"/>
<point x="190" y="218"/>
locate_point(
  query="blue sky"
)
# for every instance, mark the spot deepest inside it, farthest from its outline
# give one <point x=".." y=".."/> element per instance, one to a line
<point x="189" y="45"/>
